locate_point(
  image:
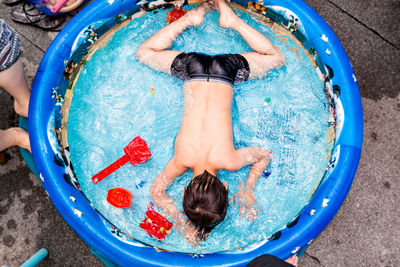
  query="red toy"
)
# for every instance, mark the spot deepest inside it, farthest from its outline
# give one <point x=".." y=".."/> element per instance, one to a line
<point x="136" y="152"/>
<point x="155" y="224"/>
<point x="119" y="197"/>
<point x="175" y="14"/>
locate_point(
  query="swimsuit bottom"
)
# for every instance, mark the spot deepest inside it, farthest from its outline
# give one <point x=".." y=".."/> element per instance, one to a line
<point x="227" y="68"/>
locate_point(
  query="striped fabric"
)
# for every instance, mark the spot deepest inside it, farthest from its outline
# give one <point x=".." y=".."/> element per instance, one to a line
<point x="10" y="47"/>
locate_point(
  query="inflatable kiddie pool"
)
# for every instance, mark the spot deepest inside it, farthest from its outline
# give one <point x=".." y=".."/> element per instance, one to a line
<point x="111" y="244"/>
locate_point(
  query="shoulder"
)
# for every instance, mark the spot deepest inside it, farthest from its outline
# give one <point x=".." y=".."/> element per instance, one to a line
<point x="185" y="153"/>
<point x="183" y="159"/>
<point x="227" y="160"/>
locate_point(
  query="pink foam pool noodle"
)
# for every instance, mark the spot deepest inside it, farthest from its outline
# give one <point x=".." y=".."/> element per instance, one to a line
<point x="58" y="6"/>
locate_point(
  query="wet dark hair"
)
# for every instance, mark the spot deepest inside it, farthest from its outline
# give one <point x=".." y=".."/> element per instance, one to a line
<point x="205" y="202"/>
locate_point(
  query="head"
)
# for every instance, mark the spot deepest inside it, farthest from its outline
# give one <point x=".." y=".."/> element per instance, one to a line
<point x="205" y="201"/>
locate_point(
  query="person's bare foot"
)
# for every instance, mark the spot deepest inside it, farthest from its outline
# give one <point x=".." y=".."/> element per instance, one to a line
<point x="21" y="137"/>
<point x="21" y="108"/>
<point x="195" y="16"/>
<point x="293" y="260"/>
<point x="227" y="18"/>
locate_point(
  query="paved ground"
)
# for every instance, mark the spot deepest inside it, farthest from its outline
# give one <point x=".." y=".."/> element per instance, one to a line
<point x="364" y="232"/>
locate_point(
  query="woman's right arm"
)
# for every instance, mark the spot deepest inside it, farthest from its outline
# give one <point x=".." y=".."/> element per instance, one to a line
<point x="161" y="183"/>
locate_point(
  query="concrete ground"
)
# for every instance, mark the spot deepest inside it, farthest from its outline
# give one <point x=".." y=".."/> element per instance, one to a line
<point x="364" y="232"/>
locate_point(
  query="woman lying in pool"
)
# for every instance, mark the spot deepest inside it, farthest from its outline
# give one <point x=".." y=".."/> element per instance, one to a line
<point x="205" y="142"/>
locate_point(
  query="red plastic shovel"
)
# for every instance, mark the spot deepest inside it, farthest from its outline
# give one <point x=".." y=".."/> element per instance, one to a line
<point x="136" y="152"/>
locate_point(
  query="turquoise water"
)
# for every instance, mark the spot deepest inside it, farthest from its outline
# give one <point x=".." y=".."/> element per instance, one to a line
<point x="113" y="102"/>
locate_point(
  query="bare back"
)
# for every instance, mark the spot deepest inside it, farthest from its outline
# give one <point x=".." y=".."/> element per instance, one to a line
<point x="205" y="140"/>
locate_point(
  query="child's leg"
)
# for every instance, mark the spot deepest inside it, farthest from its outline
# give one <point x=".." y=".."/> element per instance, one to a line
<point x="13" y="80"/>
<point x="267" y="55"/>
<point x="153" y="53"/>
<point x="14" y="137"/>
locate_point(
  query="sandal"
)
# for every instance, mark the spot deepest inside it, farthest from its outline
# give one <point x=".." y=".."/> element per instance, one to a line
<point x="49" y="23"/>
<point x="11" y="2"/>
<point x="28" y="14"/>
<point x="4" y="157"/>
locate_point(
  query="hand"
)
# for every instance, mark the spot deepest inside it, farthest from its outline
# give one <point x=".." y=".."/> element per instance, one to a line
<point x="246" y="200"/>
<point x="189" y="232"/>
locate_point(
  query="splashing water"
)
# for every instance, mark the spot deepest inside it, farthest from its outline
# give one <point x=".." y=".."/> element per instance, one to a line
<point x="117" y="98"/>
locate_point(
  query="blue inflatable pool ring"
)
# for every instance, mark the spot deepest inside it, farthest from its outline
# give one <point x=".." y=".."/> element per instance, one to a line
<point x="112" y="245"/>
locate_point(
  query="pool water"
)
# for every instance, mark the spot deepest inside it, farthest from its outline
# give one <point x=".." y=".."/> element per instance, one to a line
<point x="117" y="98"/>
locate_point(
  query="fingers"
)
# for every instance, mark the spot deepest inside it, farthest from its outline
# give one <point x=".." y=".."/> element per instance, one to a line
<point x="247" y="210"/>
<point x="250" y="217"/>
<point x="246" y="201"/>
<point x="252" y="214"/>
